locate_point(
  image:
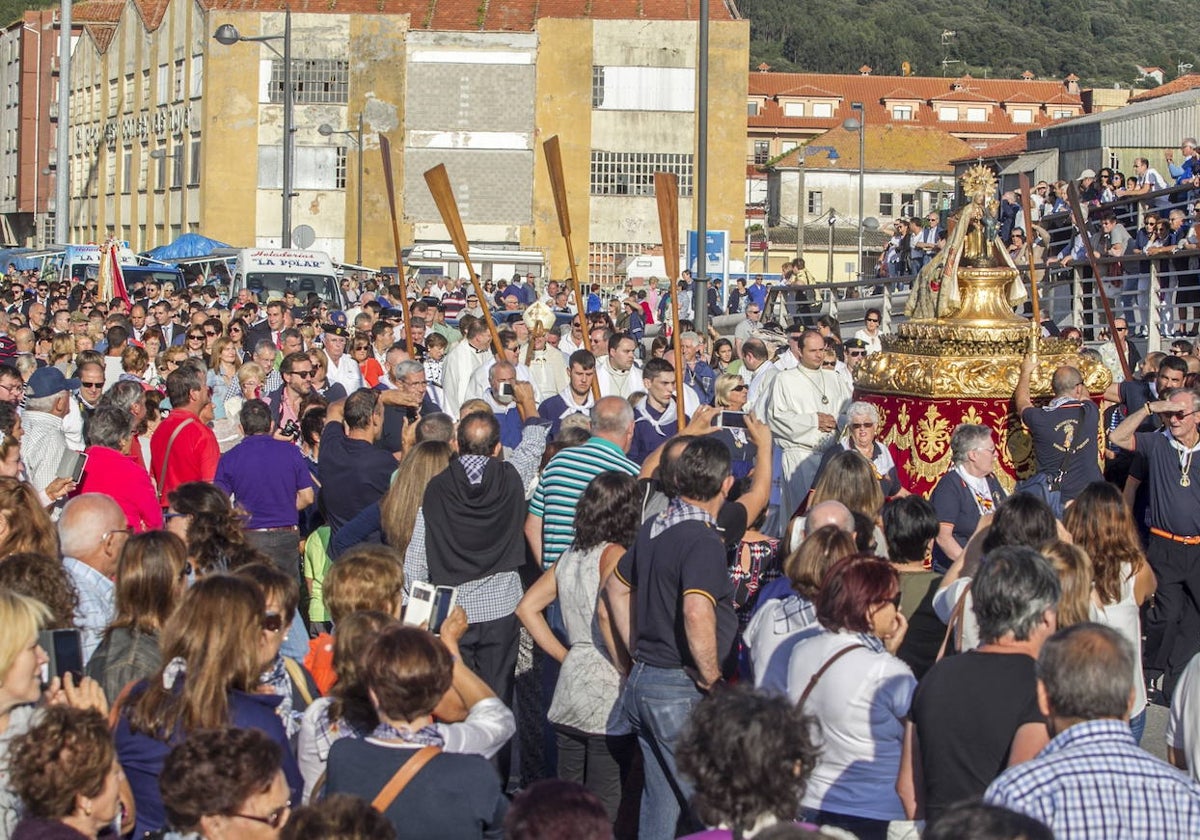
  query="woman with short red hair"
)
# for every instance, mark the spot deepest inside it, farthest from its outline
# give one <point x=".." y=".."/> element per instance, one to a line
<point x="845" y="674"/>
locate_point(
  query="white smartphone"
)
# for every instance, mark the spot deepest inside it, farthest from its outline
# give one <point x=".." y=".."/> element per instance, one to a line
<point x="429" y="605"/>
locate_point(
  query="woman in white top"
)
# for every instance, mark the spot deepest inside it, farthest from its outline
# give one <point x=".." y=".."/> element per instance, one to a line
<point x="870" y="332"/>
<point x="1100" y="523"/>
<point x="845" y="673"/>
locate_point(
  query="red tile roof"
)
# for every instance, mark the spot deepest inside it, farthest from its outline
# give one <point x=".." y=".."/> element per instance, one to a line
<point x="889" y="148"/>
<point x="1187" y="82"/>
<point x="1005" y="148"/>
<point x="97" y="11"/>
<point x="872" y="91"/>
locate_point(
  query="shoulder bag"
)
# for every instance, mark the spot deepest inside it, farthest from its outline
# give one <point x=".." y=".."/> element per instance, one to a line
<point x="812" y="683"/>
<point x="162" y="474"/>
<point x="384" y="799"/>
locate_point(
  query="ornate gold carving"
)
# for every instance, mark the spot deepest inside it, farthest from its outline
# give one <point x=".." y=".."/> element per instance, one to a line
<point x="979" y="374"/>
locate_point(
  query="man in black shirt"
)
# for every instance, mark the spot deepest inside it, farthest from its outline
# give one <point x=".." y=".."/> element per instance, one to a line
<point x="353" y="471"/>
<point x="674" y="580"/>
<point x="1065" y="433"/>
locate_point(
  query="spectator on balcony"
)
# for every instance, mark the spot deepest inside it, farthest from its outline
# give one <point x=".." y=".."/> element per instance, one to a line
<point x="1190" y="165"/>
<point x="1148" y="181"/>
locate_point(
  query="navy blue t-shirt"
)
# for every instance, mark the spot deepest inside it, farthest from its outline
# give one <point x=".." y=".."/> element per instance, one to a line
<point x="1174" y="508"/>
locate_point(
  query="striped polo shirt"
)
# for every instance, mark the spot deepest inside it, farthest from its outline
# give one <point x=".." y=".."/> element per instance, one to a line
<point x="561" y="486"/>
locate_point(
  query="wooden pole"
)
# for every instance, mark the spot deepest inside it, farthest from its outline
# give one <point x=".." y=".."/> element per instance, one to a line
<point x="385" y="147"/>
<point x="443" y="196"/>
<point x="666" y="193"/>
<point x="1026" y="203"/>
<point x="559" y="186"/>
<point x="1081" y="226"/>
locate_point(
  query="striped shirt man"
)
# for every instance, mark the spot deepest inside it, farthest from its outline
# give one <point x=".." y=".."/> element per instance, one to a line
<point x="562" y="484"/>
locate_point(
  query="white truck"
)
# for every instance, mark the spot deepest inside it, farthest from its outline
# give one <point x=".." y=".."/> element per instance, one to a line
<point x="266" y="270"/>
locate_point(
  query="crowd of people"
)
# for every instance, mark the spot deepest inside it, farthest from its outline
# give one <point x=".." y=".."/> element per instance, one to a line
<point x="334" y="575"/>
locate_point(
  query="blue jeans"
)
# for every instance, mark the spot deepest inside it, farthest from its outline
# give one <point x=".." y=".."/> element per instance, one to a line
<point x="1137" y="724"/>
<point x="658" y="702"/>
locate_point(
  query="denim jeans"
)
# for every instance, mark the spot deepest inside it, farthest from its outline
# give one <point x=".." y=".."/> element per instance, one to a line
<point x="1137" y="724"/>
<point x="658" y="702"/>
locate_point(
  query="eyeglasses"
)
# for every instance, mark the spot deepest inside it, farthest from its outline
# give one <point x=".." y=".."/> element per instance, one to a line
<point x="272" y="622"/>
<point x="83" y="384"/>
<point x="739" y="388"/>
<point x="872" y="320"/>
<point x="108" y="534"/>
<point x="856" y="353"/>
<point x="829" y="365"/>
<point x="210" y="333"/>
<point x="274" y="819"/>
<point x="862" y="425"/>
<point x="303" y="374"/>
<point x="194" y="337"/>
<point x="1121" y="329"/>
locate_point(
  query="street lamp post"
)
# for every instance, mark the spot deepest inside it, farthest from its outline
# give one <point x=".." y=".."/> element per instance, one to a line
<point x="228" y="35"/>
<point x="859" y="124"/>
<point x="326" y="130"/>
<point x="802" y="154"/>
<point x="832" y="222"/>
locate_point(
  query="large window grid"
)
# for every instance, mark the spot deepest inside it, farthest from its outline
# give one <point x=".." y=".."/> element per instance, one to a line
<point x="316" y="81"/>
<point x="632" y="173"/>
<point x="606" y="258"/>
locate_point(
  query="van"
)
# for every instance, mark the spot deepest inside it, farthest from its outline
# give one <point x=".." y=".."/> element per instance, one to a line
<point x="82" y="262"/>
<point x="267" y="270"/>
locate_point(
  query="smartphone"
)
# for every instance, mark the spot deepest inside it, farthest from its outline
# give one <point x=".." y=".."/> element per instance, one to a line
<point x="506" y="389"/>
<point x="64" y="649"/>
<point x="71" y="465"/>
<point x="420" y="603"/>
<point x="443" y="603"/>
<point x="732" y="420"/>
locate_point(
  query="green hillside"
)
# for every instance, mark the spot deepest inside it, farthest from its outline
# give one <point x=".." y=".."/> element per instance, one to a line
<point x="11" y="10"/>
<point x="1099" y="41"/>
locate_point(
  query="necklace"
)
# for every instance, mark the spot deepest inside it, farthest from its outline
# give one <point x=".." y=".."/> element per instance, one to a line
<point x="1185" y="466"/>
<point x="816" y="383"/>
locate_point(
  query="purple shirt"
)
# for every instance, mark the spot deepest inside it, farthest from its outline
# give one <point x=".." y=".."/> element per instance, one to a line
<point x="264" y="475"/>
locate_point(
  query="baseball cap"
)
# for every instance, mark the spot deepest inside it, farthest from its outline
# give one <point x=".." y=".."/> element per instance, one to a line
<point x="1087" y="173"/>
<point x="48" y="381"/>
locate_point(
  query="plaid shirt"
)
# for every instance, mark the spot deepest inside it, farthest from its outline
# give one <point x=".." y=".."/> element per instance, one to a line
<point x="1093" y="782"/>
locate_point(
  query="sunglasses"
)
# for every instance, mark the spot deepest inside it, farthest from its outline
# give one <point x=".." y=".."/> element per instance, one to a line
<point x="872" y="320"/>
<point x="303" y="374"/>
<point x="829" y="365"/>
<point x="91" y="384"/>
<point x="272" y="622"/>
<point x="208" y="333"/>
<point x="862" y="425"/>
<point x="199" y="337"/>
<point x="739" y="388"/>
<point x="856" y="353"/>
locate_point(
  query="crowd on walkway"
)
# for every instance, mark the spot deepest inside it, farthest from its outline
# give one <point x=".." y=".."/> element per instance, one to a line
<point x="330" y="574"/>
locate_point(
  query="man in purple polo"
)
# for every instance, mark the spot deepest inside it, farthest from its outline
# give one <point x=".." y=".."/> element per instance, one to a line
<point x="269" y="480"/>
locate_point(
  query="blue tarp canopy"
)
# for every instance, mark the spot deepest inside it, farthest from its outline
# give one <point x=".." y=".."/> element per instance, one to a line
<point x="188" y="245"/>
<point x="13" y="255"/>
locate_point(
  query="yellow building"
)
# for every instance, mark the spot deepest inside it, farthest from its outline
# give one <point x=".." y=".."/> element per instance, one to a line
<point x="172" y="131"/>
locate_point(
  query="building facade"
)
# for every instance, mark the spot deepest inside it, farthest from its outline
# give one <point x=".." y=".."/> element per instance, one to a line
<point x="174" y="132"/>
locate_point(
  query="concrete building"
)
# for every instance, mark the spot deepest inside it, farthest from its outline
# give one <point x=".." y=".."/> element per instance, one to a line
<point x="908" y="174"/>
<point x="29" y="49"/>
<point x="174" y="132"/>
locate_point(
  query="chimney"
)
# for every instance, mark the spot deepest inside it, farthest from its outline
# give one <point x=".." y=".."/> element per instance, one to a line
<point x="1028" y="76"/>
<point x="864" y="70"/>
<point x="1072" y="84"/>
<point x="764" y="68"/>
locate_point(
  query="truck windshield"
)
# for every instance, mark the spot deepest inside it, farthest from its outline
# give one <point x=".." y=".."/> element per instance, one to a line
<point x="324" y="286"/>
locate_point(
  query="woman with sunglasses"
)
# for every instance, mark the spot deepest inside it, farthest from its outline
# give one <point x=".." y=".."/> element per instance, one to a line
<point x="847" y="676"/>
<point x="213" y="653"/>
<point x="236" y="331"/>
<point x="870" y="333"/>
<point x="731" y="394"/>
<point x="226" y="783"/>
<point x="862" y="427"/>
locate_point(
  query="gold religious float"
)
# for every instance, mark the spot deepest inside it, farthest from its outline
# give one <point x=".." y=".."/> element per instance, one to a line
<point x="957" y="359"/>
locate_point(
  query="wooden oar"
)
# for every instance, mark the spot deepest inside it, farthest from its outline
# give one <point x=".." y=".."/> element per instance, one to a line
<point x="559" y="186"/>
<point x="1081" y="226"/>
<point x="385" y="147"/>
<point x="1026" y="203"/>
<point x="666" y="193"/>
<point x="443" y="197"/>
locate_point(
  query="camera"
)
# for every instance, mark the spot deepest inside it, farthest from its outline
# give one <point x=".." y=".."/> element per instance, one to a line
<point x="290" y="429"/>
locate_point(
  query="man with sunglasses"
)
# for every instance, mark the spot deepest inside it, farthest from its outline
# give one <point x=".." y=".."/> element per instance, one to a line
<point x="1173" y="476"/>
<point x="84" y="400"/>
<point x="296" y="370"/>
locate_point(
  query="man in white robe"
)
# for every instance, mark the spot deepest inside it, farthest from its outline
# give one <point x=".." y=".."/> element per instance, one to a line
<point x="617" y="373"/>
<point x="805" y="407"/>
<point x="466" y="357"/>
